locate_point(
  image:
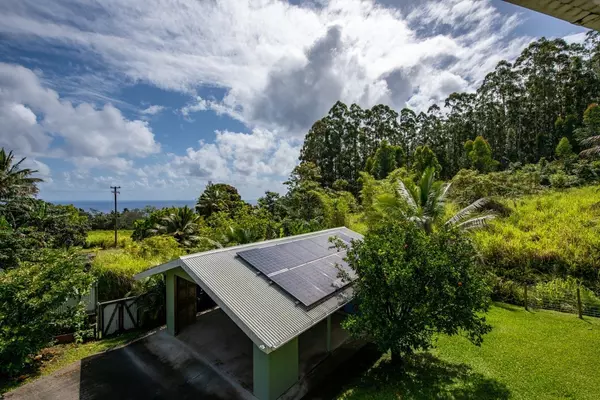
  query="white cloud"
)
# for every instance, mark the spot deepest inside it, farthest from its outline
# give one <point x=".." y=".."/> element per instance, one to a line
<point x="33" y="117"/>
<point x="282" y="66"/>
<point x="199" y="104"/>
<point x="153" y="110"/>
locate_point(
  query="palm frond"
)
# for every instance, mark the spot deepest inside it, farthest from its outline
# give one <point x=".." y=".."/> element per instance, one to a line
<point x="591" y="141"/>
<point x="468" y="210"/>
<point x="406" y="195"/>
<point x="592" y="151"/>
<point x="476" y="223"/>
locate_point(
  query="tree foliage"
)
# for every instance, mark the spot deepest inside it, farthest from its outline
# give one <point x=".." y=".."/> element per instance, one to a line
<point x="523" y="109"/>
<point x="411" y="286"/>
<point x="30" y="300"/>
<point x="14" y="180"/>
<point x="479" y="155"/>
<point x="219" y="197"/>
<point x="564" y="150"/>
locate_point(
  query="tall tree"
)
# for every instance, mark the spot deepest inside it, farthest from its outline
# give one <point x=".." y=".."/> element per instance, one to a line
<point x="219" y="197"/>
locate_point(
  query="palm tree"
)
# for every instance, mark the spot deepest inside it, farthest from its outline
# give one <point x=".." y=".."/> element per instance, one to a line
<point x="239" y="235"/>
<point x="425" y="203"/>
<point x="593" y="144"/>
<point x="15" y="181"/>
<point x="183" y="225"/>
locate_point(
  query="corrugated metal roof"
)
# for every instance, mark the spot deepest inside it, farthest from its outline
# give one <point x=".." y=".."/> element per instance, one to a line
<point x="267" y="314"/>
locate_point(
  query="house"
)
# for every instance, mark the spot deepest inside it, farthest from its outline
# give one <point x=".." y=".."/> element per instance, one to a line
<point x="275" y="327"/>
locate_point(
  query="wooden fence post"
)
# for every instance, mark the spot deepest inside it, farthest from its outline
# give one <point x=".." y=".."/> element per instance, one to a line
<point x="579" y="306"/>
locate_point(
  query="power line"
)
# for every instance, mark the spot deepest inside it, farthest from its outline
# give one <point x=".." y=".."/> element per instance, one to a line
<point x="115" y="191"/>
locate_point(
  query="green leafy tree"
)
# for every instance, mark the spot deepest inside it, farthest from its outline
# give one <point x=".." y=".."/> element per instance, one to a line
<point x="564" y="150"/>
<point x="591" y="123"/>
<point x="144" y="228"/>
<point x="14" y="180"/>
<point x="30" y="297"/>
<point x="412" y="286"/>
<point x="424" y="158"/>
<point x="479" y="154"/>
<point x="219" y="197"/>
<point x="386" y="159"/>
<point x="589" y="135"/>
<point x="271" y="202"/>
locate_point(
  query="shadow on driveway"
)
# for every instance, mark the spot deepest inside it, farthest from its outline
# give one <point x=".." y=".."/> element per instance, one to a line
<point x="155" y="367"/>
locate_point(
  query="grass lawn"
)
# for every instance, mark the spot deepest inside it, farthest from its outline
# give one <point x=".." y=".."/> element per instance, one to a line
<point x="528" y="355"/>
<point x="59" y="356"/>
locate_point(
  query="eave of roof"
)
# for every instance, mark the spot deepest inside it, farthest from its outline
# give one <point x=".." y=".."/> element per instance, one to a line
<point x="580" y="12"/>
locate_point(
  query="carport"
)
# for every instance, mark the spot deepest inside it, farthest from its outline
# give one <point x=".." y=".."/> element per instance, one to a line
<point x="260" y="335"/>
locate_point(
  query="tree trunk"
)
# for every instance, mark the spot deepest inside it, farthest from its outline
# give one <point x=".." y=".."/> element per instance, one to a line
<point x="396" y="359"/>
<point x="526" y="299"/>
<point x="579" y="307"/>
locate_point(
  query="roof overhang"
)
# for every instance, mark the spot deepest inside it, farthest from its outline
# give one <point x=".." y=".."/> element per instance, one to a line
<point x="580" y="12"/>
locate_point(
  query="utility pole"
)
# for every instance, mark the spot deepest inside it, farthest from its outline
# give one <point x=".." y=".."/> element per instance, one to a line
<point x="116" y="192"/>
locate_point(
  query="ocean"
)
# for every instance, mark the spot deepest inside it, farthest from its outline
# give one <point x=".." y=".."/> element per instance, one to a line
<point x="107" y="205"/>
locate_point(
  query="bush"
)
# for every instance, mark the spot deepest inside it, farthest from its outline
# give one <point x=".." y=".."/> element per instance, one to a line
<point x="31" y="297"/>
<point x="106" y="239"/>
<point x="412" y="285"/>
<point x="469" y="185"/>
<point x="561" y="180"/>
<point x="115" y="268"/>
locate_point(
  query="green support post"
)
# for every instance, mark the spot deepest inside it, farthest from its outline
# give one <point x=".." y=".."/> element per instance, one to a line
<point x="276" y="372"/>
<point x="170" y="300"/>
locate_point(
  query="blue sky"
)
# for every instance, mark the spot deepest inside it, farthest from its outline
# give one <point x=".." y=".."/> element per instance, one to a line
<point x="162" y="96"/>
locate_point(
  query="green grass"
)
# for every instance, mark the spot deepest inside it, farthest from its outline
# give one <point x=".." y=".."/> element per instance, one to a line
<point x="106" y="239"/>
<point x="528" y="355"/>
<point x="558" y="227"/>
<point x="59" y="356"/>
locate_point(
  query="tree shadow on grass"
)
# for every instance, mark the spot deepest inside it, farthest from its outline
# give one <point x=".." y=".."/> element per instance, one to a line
<point x="423" y="376"/>
<point x="509" y="307"/>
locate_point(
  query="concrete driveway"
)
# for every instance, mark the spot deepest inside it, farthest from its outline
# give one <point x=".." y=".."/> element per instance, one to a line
<point x="158" y="366"/>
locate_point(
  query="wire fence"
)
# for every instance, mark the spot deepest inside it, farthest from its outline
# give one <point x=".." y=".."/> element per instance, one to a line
<point x="579" y="302"/>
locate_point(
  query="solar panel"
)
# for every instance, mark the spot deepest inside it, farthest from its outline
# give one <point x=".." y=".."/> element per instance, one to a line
<point x="308" y="269"/>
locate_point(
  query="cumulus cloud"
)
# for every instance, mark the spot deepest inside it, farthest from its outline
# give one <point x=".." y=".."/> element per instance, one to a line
<point x="33" y="118"/>
<point x="234" y="157"/>
<point x="282" y="66"/>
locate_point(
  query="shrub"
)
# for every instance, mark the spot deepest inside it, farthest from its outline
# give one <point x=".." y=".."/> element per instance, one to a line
<point x="470" y="185"/>
<point x="115" y="268"/>
<point x="412" y="285"/>
<point x="106" y="239"/>
<point x="30" y="305"/>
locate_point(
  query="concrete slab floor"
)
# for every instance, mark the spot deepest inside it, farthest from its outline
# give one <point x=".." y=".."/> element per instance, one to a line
<point x="218" y="339"/>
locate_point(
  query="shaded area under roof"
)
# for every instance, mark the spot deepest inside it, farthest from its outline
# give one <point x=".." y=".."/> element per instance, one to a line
<point x="266" y="313"/>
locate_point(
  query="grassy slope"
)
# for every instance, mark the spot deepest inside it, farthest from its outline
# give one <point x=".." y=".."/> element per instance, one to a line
<point x="540" y="355"/>
<point x="106" y="239"/>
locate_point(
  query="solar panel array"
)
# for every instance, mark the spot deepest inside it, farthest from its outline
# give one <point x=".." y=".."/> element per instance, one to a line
<point x="308" y="269"/>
